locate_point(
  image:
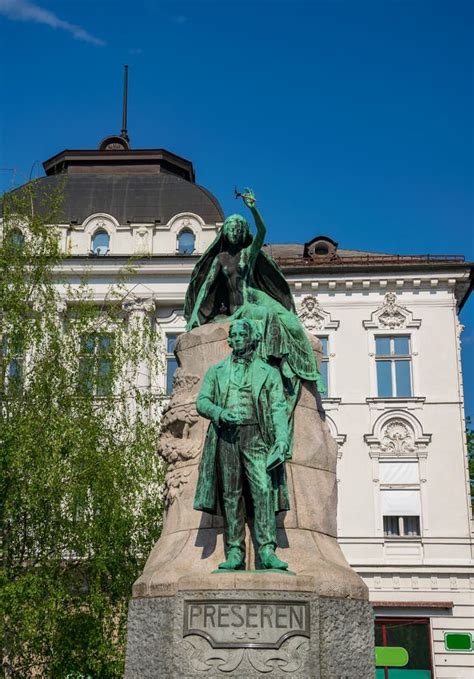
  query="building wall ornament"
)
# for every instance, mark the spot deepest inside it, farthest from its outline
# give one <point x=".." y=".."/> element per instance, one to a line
<point x="289" y="658"/>
<point x="398" y="438"/>
<point x="391" y="315"/>
<point x="142" y="238"/>
<point x="139" y="305"/>
<point x="184" y="220"/>
<point x="313" y="316"/>
<point x="339" y="438"/>
<point x="99" y="220"/>
<point x="397" y="435"/>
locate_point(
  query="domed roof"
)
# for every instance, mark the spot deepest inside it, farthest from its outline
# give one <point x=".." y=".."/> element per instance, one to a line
<point x="132" y="185"/>
<point x="131" y="197"/>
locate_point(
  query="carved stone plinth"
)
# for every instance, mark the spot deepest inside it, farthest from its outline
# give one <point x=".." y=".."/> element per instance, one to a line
<point x="338" y="641"/>
<point x="245" y="633"/>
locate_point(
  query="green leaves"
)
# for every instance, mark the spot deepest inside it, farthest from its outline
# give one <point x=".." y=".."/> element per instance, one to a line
<point x="80" y="481"/>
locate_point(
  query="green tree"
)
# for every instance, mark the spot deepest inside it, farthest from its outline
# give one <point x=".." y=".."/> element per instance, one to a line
<point x="470" y="456"/>
<point x="80" y="481"/>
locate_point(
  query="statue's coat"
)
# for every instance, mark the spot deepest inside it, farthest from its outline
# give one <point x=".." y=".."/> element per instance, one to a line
<point x="272" y="417"/>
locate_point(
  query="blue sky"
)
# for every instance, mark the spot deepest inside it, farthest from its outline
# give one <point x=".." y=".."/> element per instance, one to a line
<point x="350" y="118"/>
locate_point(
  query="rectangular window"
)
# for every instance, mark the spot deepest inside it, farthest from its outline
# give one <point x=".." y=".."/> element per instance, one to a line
<point x="393" y="364"/>
<point x="412" y="635"/>
<point x="401" y="509"/>
<point x="171" y="362"/>
<point x="324" y="365"/>
<point x="95" y="364"/>
<point x="11" y="365"/>
<point x="401" y="526"/>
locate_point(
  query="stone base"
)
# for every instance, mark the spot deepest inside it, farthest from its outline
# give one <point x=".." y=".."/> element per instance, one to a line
<point x="278" y="633"/>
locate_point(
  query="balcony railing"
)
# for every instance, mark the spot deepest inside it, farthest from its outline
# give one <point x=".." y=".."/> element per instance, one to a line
<point x="359" y="260"/>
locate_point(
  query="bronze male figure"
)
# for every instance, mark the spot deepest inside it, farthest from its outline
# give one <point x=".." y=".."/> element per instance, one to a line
<point x="246" y="446"/>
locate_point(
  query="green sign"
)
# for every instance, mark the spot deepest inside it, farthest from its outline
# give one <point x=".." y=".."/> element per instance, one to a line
<point x="390" y="656"/>
<point x="458" y="641"/>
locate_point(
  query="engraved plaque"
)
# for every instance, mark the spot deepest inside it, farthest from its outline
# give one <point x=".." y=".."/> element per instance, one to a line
<point x="234" y="623"/>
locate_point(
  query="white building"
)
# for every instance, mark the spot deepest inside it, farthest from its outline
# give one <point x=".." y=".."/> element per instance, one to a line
<point x="391" y="334"/>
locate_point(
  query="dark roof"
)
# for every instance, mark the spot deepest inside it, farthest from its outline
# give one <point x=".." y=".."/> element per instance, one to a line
<point x="128" y="197"/>
<point x="132" y="185"/>
<point x="123" y="160"/>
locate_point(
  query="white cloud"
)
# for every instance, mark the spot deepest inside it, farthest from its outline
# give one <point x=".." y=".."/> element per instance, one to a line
<point x="22" y="10"/>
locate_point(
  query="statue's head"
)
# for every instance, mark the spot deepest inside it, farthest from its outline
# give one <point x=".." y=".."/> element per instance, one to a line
<point x="244" y="335"/>
<point x="236" y="230"/>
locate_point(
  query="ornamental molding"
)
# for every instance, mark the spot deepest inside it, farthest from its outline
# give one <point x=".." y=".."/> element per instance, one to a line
<point x="313" y="317"/>
<point x="184" y="220"/>
<point x="99" y="220"/>
<point x="391" y="315"/>
<point x="139" y="305"/>
<point x="289" y="658"/>
<point x="142" y="238"/>
<point x="397" y="434"/>
<point x="339" y="438"/>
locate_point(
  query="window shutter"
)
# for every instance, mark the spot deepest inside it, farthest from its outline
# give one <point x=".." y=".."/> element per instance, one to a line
<point x="399" y="472"/>
<point x="401" y="502"/>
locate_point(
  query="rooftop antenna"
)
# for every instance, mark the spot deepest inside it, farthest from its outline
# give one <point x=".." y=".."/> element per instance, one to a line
<point x="124" y="132"/>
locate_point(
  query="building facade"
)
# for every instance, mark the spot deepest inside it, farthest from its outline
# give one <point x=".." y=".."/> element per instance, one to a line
<point x="391" y="358"/>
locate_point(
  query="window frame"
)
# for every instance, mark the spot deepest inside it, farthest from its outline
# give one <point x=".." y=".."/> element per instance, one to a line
<point x="99" y="230"/>
<point x="383" y="620"/>
<point x="325" y="356"/>
<point x="9" y="383"/>
<point x="392" y="359"/>
<point x="382" y="486"/>
<point x="170" y="356"/>
<point x="402" y="533"/>
<point x="96" y="358"/>
<point x="183" y="231"/>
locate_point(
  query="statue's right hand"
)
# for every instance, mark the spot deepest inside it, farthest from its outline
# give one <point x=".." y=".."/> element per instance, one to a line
<point x="228" y="417"/>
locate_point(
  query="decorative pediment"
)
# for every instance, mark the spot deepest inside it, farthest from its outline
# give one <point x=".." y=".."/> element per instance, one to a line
<point x="185" y="221"/>
<point x="313" y="316"/>
<point x="99" y="221"/>
<point x="391" y="315"/>
<point x="397" y="435"/>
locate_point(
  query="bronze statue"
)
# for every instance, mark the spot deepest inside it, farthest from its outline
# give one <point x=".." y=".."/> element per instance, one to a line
<point x="235" y="278"/>
<point x="246" y="446"/>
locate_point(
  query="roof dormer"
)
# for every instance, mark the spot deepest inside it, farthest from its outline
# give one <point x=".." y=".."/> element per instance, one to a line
<point x="320" y="246"/>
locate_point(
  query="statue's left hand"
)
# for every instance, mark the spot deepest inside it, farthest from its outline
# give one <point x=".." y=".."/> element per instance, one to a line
<point x="277" y="455"/>
<point x="249" y="198"/>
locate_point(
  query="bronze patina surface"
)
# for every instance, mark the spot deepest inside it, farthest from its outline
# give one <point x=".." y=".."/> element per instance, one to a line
<point x="249" y="397"/>
<point x="247" y="441"/>
<point x="235" y="278"/>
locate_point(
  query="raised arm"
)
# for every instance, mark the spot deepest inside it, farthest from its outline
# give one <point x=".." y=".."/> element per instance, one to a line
<point x="259" y="238"/>
<point x="202" y="294"/>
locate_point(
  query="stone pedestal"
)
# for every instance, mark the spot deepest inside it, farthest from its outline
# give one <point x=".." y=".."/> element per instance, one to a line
<point x="250" y="633"/>
<point x="185" y="621"/>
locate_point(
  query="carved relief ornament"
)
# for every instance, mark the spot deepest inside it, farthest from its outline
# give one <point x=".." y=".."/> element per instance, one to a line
<point x="313" y="317"/>
<point x="391" y="315"/>
<point x="289" y="658"/>
<point x="139" y="305"/>
<point x="397" y="436"/>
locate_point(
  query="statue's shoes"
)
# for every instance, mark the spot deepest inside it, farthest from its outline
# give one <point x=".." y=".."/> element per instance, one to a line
<point x="269" y="559"/>
<point x="235" y="560"/>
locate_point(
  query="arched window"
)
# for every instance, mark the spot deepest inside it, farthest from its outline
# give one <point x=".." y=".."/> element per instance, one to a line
<point x="16" y="238"/>
<point x="186" y="242"/>
<point x="100" y="243"/>
<point x="321" y="249"/>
